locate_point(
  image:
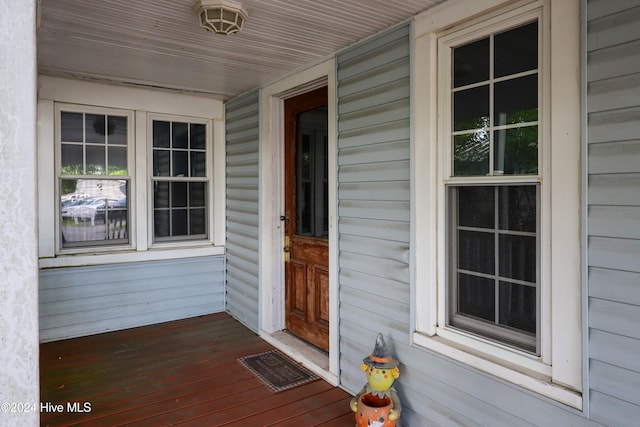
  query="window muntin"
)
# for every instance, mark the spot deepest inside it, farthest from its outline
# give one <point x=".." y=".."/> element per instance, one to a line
<point x="93" y="179"/>
<point x="494" y="128"/>
<point x="180" y="182"/>
<point x="494" y="262"/>
<point x="493" y="257"/>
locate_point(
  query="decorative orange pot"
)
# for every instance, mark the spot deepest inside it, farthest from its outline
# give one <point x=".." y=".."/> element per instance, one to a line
<point x="373" y="411"/>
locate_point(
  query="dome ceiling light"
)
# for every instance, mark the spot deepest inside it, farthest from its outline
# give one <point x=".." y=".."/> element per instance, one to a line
<point x="220" y="16"/>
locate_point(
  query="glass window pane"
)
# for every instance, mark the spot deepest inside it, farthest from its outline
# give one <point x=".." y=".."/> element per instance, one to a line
<point x="72" y="163"/>
<point x="518" y="306"/>
<point x="516" y="101"/>
<point x="476" y="251"/>
<point x="71" y="127"/>
<point x="95" y="160"/>
<point x="180" y="135"/>
<point x="179" y="226"/>
<point x="117" y="160"/>
<point x="471" y="154"/>
<point x="161" y="195"/>
<point x="198" y="221"/>
<point x="161" y="224"/>
<point x="518" y="208"/>
<point x="516" y="151"/>
<point x="197" y="194"/>
<point x="180" y="163"/>
<point x="198" y="164"/>
<point x="93" y="212"/>
<point x="95" y="128"/>
<point x="117" y="130"/>
<point x="476" y="296"/>
<point x="179" y="194"/>
<point x="471" y="108"/>
<point x="161" y="163"/>
<point x="518" y="257"/>
<point x="476" y="206"/>
<point x="516" y="50"/>
<point x="161" y="134"/>
<point x="198" y="136"/>
<point x="471" y="63"/>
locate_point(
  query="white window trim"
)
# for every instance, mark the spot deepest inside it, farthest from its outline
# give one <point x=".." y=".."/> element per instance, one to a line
<point x="558" y="372"/>
<point x="75" y="108"/>
<point x="142" y="102"/>
<point x="149" y="185"/>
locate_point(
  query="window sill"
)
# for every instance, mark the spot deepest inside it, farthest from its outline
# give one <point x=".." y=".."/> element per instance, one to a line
<point x="533" y="376"/>
<point x="112" y="257"/>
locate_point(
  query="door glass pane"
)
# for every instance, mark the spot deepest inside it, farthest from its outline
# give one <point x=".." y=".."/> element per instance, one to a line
<point x="311" y="173"/>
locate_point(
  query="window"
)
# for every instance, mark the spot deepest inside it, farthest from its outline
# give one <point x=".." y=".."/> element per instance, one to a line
<point x="94" y="177"/>
<point x="180" y="182"/>
<point x="497" y="191"/>
<point x="493" y="255"/>
<point x="126" y="182"/>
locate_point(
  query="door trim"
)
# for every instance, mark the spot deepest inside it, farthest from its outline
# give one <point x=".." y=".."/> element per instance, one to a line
<point x="271" y="176"/>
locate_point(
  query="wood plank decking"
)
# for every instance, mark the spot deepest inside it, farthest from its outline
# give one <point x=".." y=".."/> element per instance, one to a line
<point x="177" y="373"/>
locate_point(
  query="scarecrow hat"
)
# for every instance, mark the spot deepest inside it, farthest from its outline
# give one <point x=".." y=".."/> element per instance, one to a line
<point x="380" y="357"/>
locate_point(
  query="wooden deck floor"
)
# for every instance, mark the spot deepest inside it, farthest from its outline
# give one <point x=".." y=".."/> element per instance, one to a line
<point x="178" y="373"/>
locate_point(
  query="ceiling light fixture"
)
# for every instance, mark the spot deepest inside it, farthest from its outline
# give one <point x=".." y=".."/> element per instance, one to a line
<point x="220" y="16"/>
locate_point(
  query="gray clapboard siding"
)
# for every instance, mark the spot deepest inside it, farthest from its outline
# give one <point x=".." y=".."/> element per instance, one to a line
<point x="374" y="243"/>
<point x="613" y="221"/>
<point x="242" y="150"/>
<point x="80" y="301"/>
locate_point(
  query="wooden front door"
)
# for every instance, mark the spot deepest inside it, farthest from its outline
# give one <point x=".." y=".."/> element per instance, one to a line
<point x="306" y="218"/>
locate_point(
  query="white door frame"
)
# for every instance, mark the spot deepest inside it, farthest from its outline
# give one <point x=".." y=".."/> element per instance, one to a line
<point x="271" y="178"/>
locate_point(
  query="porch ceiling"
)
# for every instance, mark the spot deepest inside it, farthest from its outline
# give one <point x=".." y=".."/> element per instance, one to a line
<point x="160" y="43"/>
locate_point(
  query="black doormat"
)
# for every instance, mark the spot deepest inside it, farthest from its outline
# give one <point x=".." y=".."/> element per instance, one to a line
<point x="277" y="370"/>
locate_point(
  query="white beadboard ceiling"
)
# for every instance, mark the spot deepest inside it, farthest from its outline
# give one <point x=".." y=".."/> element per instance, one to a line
<point x="159" y="43"/>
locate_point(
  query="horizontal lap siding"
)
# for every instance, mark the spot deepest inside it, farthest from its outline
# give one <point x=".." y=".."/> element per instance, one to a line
<point x="374" y="202"/>
<point x="613" y="107"/>
<point x="80" y="301"/>
<point x="242" y="149"/>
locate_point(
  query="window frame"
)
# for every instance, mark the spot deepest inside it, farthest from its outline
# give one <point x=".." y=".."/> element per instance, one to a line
<point x="184" y="241"/>
<point x="141" y="102"/>
<point x="559" y="365"/>
<point x="131" y="173"/>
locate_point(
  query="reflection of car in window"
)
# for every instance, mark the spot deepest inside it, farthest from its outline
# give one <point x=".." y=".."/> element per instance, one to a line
<point x="92" y="209"/>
